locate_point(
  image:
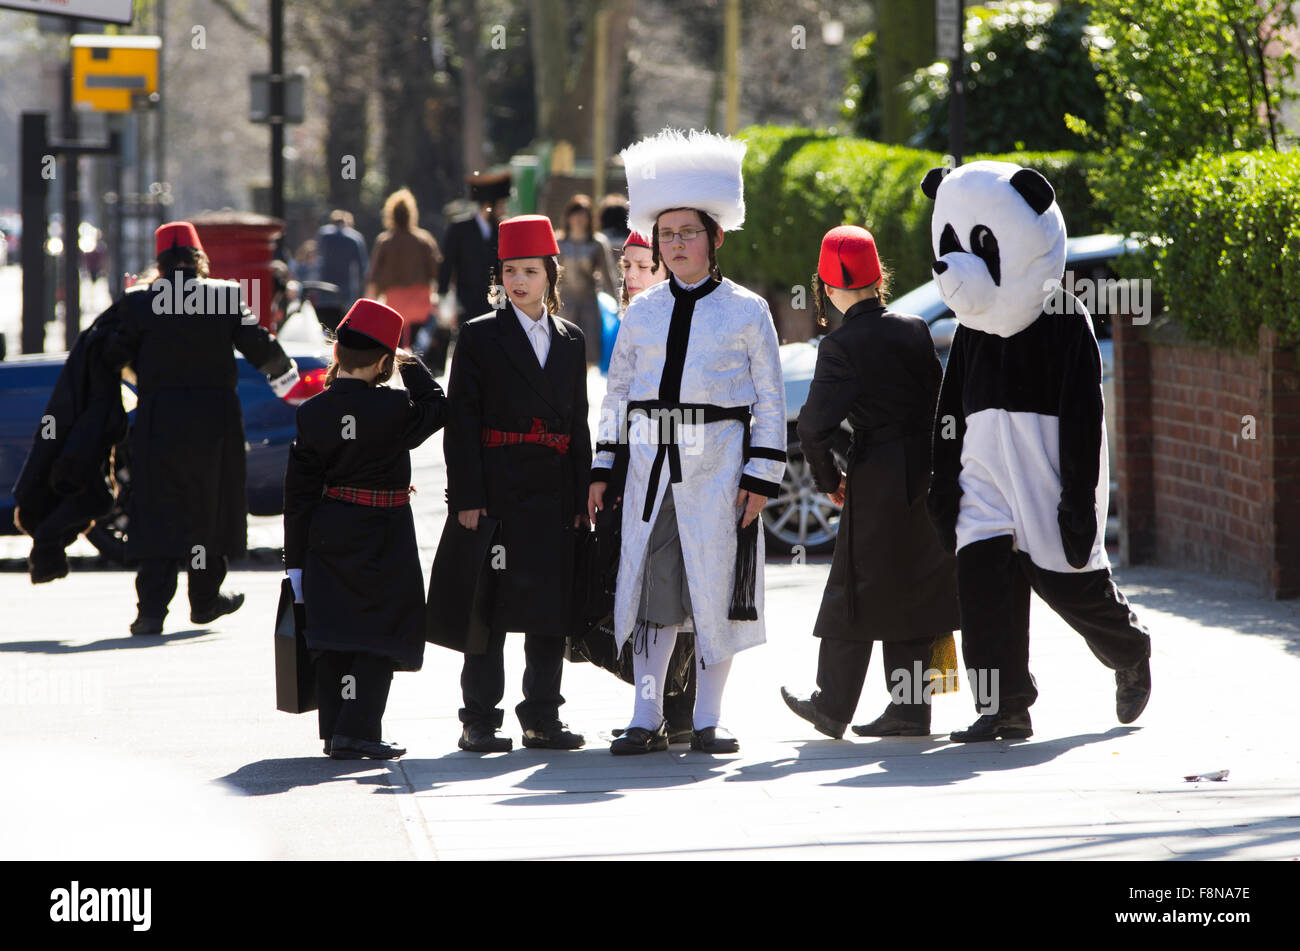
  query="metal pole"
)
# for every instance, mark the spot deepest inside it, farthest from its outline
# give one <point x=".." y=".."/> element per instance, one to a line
<point x="35" y="145"/>
<point x="160" y="123"/>
<point x="277" y="109"/>
<point x="116" y="249"/>
<point x="957" y="91"/>
<point x="731" y="48"/>
<point x="71" y="210"/>
<point x="143" y="246"/>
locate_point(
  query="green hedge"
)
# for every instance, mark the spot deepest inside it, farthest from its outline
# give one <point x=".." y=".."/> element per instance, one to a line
<point x="800" y="183"/>
<point x="1226" y="253"/>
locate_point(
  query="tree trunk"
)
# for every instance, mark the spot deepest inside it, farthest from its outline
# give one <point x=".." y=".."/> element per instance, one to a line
<point x="905" y="39"/>
<point x="473" y="104"/>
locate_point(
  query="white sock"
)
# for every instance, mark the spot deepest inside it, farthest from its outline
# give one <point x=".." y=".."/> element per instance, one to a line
<point x="650" y="670"/>
<point x="709" y="684"/>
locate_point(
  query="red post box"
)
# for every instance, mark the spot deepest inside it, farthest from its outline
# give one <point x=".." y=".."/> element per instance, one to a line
<point x="240" y="247"/>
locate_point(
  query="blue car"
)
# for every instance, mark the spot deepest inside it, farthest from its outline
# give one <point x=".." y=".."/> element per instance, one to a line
<point x="26" y="383"/>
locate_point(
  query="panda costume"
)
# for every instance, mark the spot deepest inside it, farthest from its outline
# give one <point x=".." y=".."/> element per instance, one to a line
<point x="1020" y="480"/>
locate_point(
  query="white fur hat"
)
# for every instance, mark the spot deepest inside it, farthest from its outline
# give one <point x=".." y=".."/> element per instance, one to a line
<point x="671" y="170"/>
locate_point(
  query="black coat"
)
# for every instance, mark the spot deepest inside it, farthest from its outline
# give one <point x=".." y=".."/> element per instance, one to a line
<point x="468" y="259"/>
<point x="889" y="580"/>
<point x="362" y="585"/>
<point x="187" y="441"/>
<point x="497" y="383"/>
<point x="64" y="482"/>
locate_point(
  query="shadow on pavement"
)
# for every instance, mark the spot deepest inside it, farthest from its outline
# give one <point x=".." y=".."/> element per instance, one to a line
<point x="130" y="642"/>
<point x="270" y="777"/>
<point x="920" y="761"/>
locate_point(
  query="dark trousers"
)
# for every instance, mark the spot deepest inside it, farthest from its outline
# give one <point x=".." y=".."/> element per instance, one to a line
<point x="483" y="682"/>
<point x="353" y="708"/>
<point x="679" y="707"/>
<point x="842" y="672"/>
<point x="155" y="584"/>
<point x="993" y="585"/>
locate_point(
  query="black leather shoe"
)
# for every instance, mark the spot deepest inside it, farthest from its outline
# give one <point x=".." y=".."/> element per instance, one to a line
<point x="225" y="604"/>
<point x="147" y="625"/>
<point x="808" y="710"/>
<point x="346" y="747"/>
<point x="1008" y="725"/>
<point x="890" y="723"/>
<point x="327" y="748"/>
<point x="553" y="737"/>
<point x="484" y="739"/>
<point x="640" y="740"/>
<point x="679" y="734"/>
<point x="714" y="739"/>
<point x="1132" y="691"/>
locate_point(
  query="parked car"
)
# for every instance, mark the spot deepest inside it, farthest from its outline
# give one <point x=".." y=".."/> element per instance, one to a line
<point x="269" y="426"/>
<point x="802" y="516"/>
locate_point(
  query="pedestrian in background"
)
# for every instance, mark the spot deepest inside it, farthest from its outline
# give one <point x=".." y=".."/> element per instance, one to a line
<point x="518" y="450"/>
<point x="341" y="260"/>
<point x="188" y="505"/>
<point x="470" y="246"/>
<point x="890" y="579"/>
<point x="404" y="266"/>
<point x="584" y="258"/>
<point x="612" y="217"/>
<point x="349" y="538"/>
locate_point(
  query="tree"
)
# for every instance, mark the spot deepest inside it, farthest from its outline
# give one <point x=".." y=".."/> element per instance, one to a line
<point x="906" y="43"/>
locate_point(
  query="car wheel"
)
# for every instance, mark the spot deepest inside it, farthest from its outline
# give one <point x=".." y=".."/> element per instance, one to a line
<point x="800" y="518"/>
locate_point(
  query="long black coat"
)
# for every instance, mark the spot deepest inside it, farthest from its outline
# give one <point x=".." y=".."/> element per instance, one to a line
<point x="497" y="383"/>
<point x="362" y="585"/>
<point x="889" y="580"/>
<point x="468" y="259"/>
<point x="188" y="472"/>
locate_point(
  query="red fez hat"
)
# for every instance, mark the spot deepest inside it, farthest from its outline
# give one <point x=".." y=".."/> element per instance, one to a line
<point x="848" y="259"/>
<point x="370" y="324"/>
<point x="175" y="234"/>
<point x="526" y="236"/>
<point x="637" y="240"/>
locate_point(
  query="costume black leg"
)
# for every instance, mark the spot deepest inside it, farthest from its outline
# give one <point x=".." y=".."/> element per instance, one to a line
<point x="905" y="658"/>
<point x="1091" y="604"/>
<point x="543" y="668"/>
<point x="331" y="666"/>
<point x="679" y="706"/>
<point x="994" y="595"/>
<point x="362" y="712"/>
<point x="155" y="586"/>
<point x="841" y="672"/>
<point x="205" y="583"/>
<point x="483" y="683"/>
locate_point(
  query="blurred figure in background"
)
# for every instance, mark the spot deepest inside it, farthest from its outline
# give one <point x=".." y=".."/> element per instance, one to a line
<point x="470" y="246"/>
<point x="404" y="264"/>
<point x="584" y="262"/>
<point x="612" y="215"/>
<point x="341" y="260"/>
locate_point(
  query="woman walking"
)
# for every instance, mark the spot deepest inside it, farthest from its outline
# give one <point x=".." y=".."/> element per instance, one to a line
<point x="584" y="257"/>
<point x="404" y="265"/>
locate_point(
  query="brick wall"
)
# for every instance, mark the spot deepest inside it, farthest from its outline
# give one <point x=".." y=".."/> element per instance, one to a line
<point x="1195" y="490"/>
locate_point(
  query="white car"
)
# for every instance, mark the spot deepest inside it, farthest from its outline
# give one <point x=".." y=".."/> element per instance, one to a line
<point x="802" y="516"/>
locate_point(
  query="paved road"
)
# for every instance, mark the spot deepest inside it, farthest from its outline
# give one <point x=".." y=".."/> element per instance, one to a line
<point x="118" y="747"/>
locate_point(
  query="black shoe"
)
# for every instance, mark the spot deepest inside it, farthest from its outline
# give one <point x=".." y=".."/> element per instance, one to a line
<point x="47" y="564"/>
<point x="808" y="710"/>
<point x="640" y="740"/>
<point x="680" y="734"/>
<point x="553" y="737"/>
<point x="345" y="747"/>
<point x="147" y="625"/>
<point x="714" y="739"/>
<point x="1132" y="690"/>
<point x="1008" y="725"/>
<point x="225" y="604"/>
<point x="327" y="748"/>
<point x="890" y="723"/>
<point x="484" y="739"/>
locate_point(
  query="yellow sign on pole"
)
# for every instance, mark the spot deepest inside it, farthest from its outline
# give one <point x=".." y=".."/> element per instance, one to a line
<point x="109" y="71"/>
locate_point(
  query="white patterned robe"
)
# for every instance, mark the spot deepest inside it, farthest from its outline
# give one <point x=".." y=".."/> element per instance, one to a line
<point x="731" y="359"/>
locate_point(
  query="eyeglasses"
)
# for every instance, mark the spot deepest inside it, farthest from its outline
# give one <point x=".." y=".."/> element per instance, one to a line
<point x="686" y="234"/>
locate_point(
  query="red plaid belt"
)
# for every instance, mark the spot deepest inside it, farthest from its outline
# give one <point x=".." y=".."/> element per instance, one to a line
<point x="538" y="434"/>
<point x="378" y="498"/>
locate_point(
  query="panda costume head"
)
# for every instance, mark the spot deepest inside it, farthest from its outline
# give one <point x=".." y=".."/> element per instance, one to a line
<point x="999" y="243"/>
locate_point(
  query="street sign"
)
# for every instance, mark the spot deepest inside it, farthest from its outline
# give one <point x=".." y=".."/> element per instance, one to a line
<point x="108" y="72"/>
<point x="947" y="28"/>
<point x="108" y="11"/>
<point x="259" y="90"/>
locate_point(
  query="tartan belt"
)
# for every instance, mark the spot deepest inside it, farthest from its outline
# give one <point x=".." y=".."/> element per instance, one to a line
<point x="376" y="498"/>
<point x="539" y="434"/>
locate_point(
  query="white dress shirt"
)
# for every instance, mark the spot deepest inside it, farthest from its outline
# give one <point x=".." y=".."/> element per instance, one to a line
<point x="538" y="332"/>
<point x="484" y="228"/>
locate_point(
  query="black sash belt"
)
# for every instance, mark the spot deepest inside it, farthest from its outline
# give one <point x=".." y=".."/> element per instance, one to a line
<point x="669" y="416"/>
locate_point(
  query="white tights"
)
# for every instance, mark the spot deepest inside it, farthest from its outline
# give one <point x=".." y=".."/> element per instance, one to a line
<point x="650" y="671"/>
